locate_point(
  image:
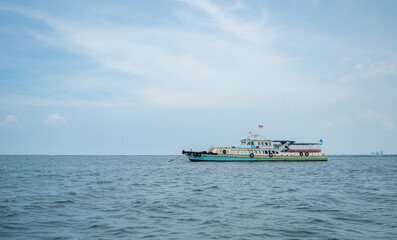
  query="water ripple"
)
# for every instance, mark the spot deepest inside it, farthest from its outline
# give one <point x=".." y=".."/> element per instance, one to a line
<point x="137" y="197"/>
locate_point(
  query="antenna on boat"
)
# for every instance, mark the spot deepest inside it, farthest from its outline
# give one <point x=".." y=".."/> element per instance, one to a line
<point x="249" y="134"/>
<point x="261" y="132"/>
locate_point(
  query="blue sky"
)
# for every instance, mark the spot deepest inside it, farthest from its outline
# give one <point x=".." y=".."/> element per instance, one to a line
<point x="156" y="77"/>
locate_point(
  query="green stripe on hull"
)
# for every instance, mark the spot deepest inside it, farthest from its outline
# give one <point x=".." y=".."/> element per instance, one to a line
<point x="225" y="158"/>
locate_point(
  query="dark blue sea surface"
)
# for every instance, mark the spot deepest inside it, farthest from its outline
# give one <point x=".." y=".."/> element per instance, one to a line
<point x="135" y="197"/>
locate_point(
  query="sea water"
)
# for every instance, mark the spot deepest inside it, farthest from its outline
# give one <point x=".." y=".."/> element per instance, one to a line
<point x="135" y="197"/>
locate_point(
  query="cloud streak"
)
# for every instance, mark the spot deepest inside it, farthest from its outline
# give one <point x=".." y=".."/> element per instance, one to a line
<point x="227" y="59"/>
<point x="226" y="20"/>
<point x="180" y="67"/>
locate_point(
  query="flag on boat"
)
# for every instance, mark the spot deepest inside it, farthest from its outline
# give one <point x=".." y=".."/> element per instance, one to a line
<point x="321" y="140"/>
<point x="260" y="126"/>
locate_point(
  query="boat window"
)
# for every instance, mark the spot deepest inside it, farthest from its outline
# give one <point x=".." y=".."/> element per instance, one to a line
<point x="265" y="152"/>
<point x="276" y="152"/>
<point x="273" y="152"/>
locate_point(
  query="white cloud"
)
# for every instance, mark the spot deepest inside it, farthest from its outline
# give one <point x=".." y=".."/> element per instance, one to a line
<point x="376" y="69"/>
<point x="10" y="119"/>
<point x="54" y="119"/>
<point x="227" y="59"/>
<point x="185" y="68"/>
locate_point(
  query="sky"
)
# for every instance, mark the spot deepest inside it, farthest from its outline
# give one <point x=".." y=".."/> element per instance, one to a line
<point x="157" y="77"/>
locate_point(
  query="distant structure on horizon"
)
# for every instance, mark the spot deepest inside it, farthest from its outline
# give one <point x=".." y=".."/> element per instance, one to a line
<point x="377" y="153"/>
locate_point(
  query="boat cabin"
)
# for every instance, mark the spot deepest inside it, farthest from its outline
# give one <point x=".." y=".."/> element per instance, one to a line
<point x="304" y="147"/>
<point x="250" y="143"/>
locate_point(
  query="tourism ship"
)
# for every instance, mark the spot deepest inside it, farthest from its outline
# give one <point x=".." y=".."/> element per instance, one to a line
<point x="254" y="148"/>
